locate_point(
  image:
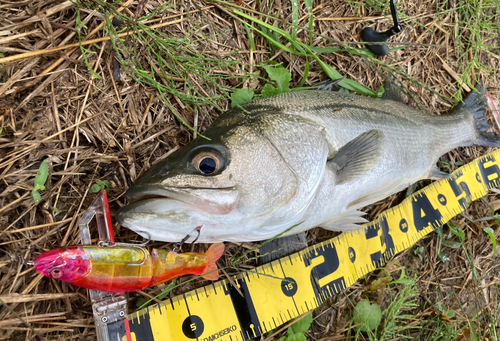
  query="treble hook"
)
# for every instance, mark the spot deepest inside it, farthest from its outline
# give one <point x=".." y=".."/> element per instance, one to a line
<point x="20" y="259"/>
<point x="178" y="246"/>
<point x="143" y="243"/>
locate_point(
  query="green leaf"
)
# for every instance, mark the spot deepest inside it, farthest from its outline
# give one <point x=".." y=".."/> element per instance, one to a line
<point x="369" y="315"/>
<point x="281" y="76"/>
<point x="42" y="175"/>
<point x="55" y="210"/>
<point x="250" y="38"/>
<point x="269" y="90"/>
<point x="459" y="233"/>
<point x="442" y="256"/>
<point x="295" y="18"/>
<point x="96" y="188"/>
<point x="296" y="337"/>
<point x="283" y="338"/>
<point x="140" y="301"/>
<point x="36" y="196"/>
<point x="329" y="49"/>
<point x="452" y="244"/>
<point x="301" y="326"/>
<point x="104" y="184"/>
<point x="491" y="234"/>
<point x="241" y="96"/>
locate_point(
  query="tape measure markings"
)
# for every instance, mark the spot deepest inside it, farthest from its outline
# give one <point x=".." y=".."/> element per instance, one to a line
<point x="283" y="289"/>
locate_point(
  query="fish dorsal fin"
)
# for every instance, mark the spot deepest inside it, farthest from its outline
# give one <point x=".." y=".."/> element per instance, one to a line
<point x="358" y="156"/>
<point x="392" y="92"/>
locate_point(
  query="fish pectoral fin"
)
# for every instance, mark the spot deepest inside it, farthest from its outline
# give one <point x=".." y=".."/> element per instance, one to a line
<point x="436" y="174"/>
<point x="347" y="221"/>
<point x="358" y="156"/>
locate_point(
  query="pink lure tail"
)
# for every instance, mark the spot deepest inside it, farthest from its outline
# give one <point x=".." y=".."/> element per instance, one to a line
<point x="213" y="254"/>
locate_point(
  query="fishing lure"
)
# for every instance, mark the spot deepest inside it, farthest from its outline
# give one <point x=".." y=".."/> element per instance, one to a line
<point x="120" y="268"/>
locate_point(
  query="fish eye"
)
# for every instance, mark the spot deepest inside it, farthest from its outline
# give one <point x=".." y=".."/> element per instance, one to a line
<point x="56" y="273"/>
<point x="207" y="163"/>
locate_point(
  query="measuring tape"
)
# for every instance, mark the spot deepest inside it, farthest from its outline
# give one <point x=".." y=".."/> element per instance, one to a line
<point x="277" y="292"/>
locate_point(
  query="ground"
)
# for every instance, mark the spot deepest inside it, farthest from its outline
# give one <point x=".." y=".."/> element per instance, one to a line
<point x="109" y="109"/>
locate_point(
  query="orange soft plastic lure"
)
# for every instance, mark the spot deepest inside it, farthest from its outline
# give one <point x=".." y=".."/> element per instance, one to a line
<point x="121" y="269"/>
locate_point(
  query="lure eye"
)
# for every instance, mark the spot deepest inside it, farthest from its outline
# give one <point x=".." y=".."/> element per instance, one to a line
<point x="56" y="273"/>
<point x="207" y="163"/>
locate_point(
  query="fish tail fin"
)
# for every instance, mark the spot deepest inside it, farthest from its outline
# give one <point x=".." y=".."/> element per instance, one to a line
<point x="475" y="105"/>
<point x="213" y="254"/>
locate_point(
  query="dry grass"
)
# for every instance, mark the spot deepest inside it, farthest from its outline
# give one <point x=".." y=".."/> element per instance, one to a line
<point x="103" y="128"/>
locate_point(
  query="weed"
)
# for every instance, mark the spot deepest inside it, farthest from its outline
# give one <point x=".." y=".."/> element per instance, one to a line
<point x="296" y="332"/>
<point x="40" y="180"/>
<point x="367" y="315"/>
<point x="100" y="185"/>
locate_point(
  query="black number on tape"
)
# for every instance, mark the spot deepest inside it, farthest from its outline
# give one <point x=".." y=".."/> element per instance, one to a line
<point x="424" y="213"/>
<point x="193" y="326"/>
<point x="490" y="173"/>
<point x="403" y="225"/>
<point x="460" y="187"/>
<point x="289" y="286"/>
<point x="328" y="267"/>
<point x="352" y="254"/>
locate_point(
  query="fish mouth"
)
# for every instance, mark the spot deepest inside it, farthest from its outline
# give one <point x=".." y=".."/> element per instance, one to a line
<point x="210" y="200"/>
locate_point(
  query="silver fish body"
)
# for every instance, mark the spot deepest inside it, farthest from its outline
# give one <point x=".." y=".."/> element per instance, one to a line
<point x="311" y="158"/>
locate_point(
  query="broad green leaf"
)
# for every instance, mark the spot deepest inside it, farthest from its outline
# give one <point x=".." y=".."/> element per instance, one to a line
<point x="281" y="76"/>
<point x="42" y="175"/>
<point x="283" y="338"/>
<point x="104" y="184"/>
<point x="241" y="96"/>
<point x="302" y="325"/>
<point x="36" y="196"/>
<point x="140" y="301"/>
<point x="269" y="90"/>
<point x="369" y="315"/>
<point x="96" y="188"/>
<point x="296" y="337"/>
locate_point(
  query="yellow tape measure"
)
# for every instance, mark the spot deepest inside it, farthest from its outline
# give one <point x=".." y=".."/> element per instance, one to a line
<point x="291" y="286"/>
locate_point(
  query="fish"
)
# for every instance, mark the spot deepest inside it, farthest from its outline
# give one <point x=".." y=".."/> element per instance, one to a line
<point x="123" y="268"/>
<point x="298" y="160"/>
